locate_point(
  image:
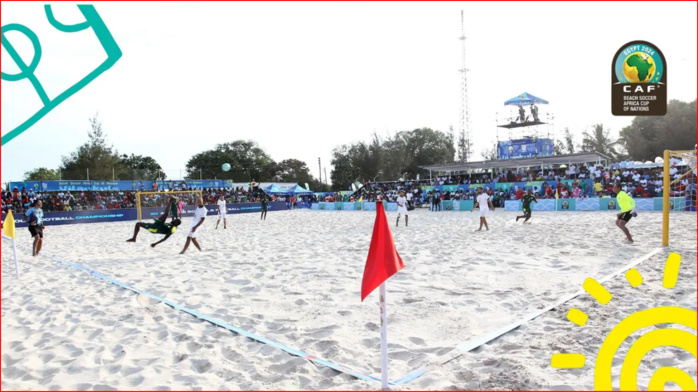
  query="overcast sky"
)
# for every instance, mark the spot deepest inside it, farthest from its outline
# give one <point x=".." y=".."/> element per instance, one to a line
<point x="303" y="78"/>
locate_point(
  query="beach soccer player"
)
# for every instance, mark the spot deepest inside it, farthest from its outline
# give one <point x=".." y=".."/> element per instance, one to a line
<point x="35" y="217"/>
<point x="402" y="208"/>
<point x="265" y="206"/>
<point x="176" y="209"/>
<point x="160" y="226"/>
<point x="199" y="218"/>
<point x="482" y="200"/>
<point x="527" y="199"/>
<point x="627" y="210"/>
<point x="222" y="212"/>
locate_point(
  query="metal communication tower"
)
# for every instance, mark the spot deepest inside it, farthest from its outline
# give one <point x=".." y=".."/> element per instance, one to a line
<point x="464" y="141"/>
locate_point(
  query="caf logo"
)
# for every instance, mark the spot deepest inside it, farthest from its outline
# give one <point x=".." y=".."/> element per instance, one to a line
<point x="671" y="204"/>
<point x="639" y="80"/>
<point x="339" y="206"/>
<point x="448" y="207"/>
<point x="565" y="205"/>
<point x="358" y="205"/>
<point x="611" y="205"/>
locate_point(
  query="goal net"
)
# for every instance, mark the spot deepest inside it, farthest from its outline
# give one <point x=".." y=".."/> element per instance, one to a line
<point x="678" y="186"/>
<point x="145" y="201"/>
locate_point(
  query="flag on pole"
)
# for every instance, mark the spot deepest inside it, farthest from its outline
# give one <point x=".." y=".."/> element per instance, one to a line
<point x="557" y="196"/>
<point x="382" y="263"/>
<point x="383" y="260"/>
<point x="9" y="225"/>
<point x="361" y="198"/>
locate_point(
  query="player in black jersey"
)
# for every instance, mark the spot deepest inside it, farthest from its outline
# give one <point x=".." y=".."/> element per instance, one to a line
<point x="527" y="199"/>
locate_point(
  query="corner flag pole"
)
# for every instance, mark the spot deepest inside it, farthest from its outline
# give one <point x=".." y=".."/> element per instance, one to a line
<point x="14" y="250"/>
<point x="384" y="339"/>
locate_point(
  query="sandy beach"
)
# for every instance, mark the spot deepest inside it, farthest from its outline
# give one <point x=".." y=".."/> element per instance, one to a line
<point x="295" y="279"/>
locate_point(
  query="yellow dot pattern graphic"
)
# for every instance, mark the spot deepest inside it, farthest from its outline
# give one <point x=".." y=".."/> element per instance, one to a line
<point x="577" y="316"/>
<point x="597" y="291"/>
<point x="634" y="277"/>
<point x="567" y="361"/>
<point x="671" y="270"/>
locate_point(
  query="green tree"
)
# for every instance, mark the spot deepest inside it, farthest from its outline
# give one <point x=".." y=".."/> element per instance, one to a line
<point x="293" y="170"/>
<point x="102" y="161"/>
<point x="648" y="136"/>
<point x="248" y="162"/>
<point x="559" y="148"/>
<point x="491" y="153"/>
<point x="344" y="171"/>
<point x="569" y="142"/>
<point x="42" y="174"/>
<point x="399" y="155"/>
<point x="600" y="140"/>
<point x="428" y="147"/>
<point x="139" y="167"/>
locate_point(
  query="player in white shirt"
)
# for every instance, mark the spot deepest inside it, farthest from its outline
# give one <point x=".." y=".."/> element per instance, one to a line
<point x="222" y="210"/>
<point x="482" y="200"/>
<point x="199" y="217"/>
<point x="401" y="208"/>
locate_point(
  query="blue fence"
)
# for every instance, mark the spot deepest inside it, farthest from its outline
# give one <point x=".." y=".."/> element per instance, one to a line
<point x="602" y="204"/>
<point x="131" y="214"/>
<point x="55" y="186"/>
<point x="588" y="204"/>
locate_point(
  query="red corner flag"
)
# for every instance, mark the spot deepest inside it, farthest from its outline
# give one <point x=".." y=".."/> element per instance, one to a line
<point x="383" y="260"/>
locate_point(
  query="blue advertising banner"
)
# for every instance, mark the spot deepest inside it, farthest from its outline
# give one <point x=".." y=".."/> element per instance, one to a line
<point x="131" y="214"/>
<point x="566" y="204"/>
<point x="524" y="148"/>
<point x="608" y="203"/>
<point x="348" y="206"/>
<point x="587" y="205"/>
<point x="55" y="186"/>
<point x="369" y="206"/>
<point x="675" y="204"/>
<point x="542" y="205"/>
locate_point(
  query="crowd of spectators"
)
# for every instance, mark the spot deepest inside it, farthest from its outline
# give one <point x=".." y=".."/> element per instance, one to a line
<point x="19" y="200"/>
<point x="585" y="181"/>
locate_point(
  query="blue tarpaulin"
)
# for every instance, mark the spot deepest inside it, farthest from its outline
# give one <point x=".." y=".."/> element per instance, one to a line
<point x="525" y="99"/>
<point x="298" y="190"/>
<point x="275" y="190"/>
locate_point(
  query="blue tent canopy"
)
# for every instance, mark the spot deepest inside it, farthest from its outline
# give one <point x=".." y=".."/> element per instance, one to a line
<point x="273" y="189"/>
<point x="525" y="99"/>
<point x="294" y="190"/>
<point x="298" y="190"/>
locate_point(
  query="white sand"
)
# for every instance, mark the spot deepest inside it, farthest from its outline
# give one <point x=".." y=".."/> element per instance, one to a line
<point x="296" y="279"/>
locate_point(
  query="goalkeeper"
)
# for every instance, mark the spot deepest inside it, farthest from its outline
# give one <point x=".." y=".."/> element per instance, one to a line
<point x="627" y="210"/>
<point x="160" y="226"/>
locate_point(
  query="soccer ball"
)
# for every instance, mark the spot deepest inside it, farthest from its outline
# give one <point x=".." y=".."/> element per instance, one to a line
<point x="226" y="167"/>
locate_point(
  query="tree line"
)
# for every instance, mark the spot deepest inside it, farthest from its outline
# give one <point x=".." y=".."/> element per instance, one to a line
<point x="98" y="160"/>
<point x="387" y="158"/>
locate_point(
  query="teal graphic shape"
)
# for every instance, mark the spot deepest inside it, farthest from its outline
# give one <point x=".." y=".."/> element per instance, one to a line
<point x="92" y="20"/>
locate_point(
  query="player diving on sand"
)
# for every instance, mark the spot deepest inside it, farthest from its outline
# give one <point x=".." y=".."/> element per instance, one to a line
<point x="160" y="226"/>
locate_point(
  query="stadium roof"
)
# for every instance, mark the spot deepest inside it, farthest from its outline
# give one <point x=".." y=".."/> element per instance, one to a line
<point x="521" y="162"/>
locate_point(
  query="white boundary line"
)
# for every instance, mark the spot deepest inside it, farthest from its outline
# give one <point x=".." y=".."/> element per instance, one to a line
<point x="479" y="341"/>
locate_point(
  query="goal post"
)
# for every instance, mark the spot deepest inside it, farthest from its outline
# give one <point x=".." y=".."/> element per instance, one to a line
<point x="155" y="199"/>
<point x="678" y="186"/>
